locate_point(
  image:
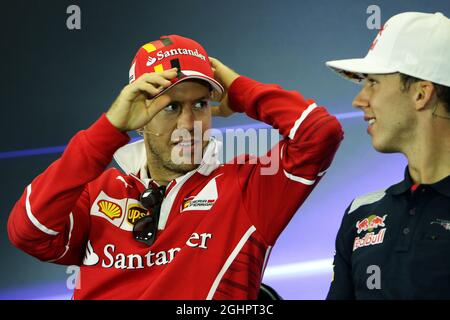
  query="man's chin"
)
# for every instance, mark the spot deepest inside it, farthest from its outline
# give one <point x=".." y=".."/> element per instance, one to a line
<point x="384" y="148"/>
<point x="182" y="168"/>
<point x="184" y="160"/>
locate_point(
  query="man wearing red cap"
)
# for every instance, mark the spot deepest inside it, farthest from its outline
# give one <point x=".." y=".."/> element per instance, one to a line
<point x="395" y="243"/>
<point x="175" y="223"/>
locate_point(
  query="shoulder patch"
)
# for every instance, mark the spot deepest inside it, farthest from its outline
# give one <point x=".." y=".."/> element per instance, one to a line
<point x="366" y="199"/>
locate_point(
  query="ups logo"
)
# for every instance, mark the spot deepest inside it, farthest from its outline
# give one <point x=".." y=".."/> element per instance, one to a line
<point x="135" y="212"/>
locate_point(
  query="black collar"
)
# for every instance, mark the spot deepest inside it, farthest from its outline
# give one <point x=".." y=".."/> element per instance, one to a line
<point x="442" y="186"/>
<point x="402" y="186"/>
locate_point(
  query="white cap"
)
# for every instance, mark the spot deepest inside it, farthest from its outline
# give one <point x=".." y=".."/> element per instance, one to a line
<point x="413" y="43"/>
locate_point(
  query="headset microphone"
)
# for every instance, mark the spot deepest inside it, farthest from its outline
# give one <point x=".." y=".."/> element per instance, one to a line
<point x="142" y="131"/>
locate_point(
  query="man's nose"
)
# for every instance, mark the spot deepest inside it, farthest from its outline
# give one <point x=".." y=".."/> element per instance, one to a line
<point x="361" y="100"/>
<point x="186" y="119"/>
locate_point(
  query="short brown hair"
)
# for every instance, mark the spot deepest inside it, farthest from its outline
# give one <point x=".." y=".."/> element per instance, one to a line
<point x="442" y="92"/>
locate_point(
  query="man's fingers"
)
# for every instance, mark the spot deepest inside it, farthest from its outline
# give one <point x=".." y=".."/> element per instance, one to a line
<point x="214" y="62"/>
<point x="170" y="72"/>
<point x="149" y="89"/>
<point x="157" y="104"/>
<point x="159" y="83"/>
<point x="158" y="76"/>
<point x="216" y="96"/>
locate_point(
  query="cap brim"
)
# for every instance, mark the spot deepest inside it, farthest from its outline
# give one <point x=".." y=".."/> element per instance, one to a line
<point x="189" y="75"/>
<point x="356" y="69"/>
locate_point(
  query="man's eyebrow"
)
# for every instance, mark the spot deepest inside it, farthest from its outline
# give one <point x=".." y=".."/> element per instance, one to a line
<point x="203" y="97"/>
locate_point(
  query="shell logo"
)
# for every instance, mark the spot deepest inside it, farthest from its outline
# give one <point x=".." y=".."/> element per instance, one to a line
<point x="110" y="209"/>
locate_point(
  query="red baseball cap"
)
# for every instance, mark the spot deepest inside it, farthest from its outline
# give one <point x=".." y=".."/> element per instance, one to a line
<point x="173" y="51"/>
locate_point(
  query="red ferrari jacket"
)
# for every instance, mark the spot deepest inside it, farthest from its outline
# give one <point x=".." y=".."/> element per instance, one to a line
<point x="218" y="223"/>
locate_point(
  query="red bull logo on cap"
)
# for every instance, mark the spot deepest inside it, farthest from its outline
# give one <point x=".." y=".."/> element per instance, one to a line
<point x="370" y="223"/>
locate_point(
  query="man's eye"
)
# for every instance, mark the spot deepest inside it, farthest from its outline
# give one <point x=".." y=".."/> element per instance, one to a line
<point x="171" y="107"/>
<point x="201" y="104"/>
<point x="371" y="82"/>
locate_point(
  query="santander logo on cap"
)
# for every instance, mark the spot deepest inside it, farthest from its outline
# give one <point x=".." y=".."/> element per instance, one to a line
<point x="173" y="52"/>
<point x="179" y="51"/>
<point x="150" y="61"/>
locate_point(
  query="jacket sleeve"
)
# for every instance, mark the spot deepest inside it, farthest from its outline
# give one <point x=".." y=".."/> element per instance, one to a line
<point x="275" y="187"/>
<point x="50" y="221"/>
<point x="342" y="287"/>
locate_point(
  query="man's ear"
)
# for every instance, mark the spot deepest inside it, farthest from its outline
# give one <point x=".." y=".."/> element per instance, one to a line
<point x="424" y="94"/>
